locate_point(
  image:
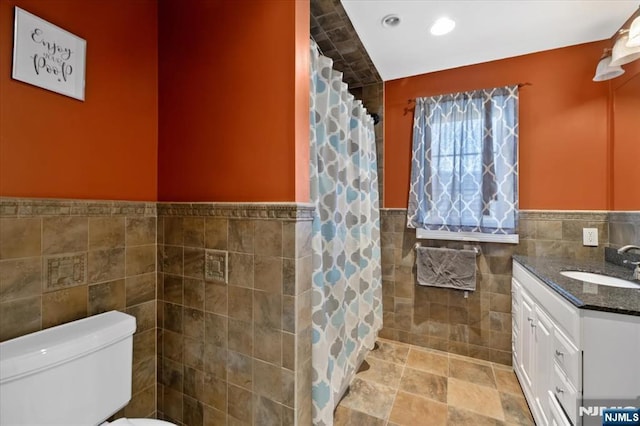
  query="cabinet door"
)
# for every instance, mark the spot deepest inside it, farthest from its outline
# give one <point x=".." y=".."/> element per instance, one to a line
<point x="527" y="340"/>
<point x="557" y="417"/>
<point x="543" y="362"/>
<point x="516" y="321"/>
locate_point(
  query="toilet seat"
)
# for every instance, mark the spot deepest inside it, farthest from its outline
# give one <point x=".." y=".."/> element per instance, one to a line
<point x="139" y="422"/>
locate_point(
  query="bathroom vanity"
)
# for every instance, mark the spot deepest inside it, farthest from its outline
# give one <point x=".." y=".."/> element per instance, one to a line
<point x="576" y="345"/>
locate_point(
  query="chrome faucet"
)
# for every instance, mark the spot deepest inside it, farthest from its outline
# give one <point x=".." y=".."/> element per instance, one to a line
<point x="636" y="272"/>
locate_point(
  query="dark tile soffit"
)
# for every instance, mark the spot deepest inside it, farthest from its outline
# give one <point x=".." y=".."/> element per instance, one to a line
<point x="333" y="32"/>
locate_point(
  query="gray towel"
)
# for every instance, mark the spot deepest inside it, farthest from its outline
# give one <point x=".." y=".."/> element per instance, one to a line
<point x="443" y="267"/>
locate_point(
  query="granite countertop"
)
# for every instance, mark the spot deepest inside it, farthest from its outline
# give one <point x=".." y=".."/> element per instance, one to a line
<point x="582" y="294"/>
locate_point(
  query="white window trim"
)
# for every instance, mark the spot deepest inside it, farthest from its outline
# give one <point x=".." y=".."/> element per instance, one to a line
<point x="428" y="234"/>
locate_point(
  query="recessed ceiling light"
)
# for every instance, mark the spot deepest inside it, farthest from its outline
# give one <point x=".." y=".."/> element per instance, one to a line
<point x="442" y="26"/>
<point x="391" y="21"/>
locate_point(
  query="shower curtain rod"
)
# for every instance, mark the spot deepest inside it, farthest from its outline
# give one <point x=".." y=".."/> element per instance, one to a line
<point x="519" y="86"/>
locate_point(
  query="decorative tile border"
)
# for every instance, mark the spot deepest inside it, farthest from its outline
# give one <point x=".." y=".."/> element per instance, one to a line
<point x="299" y="211"/>
<point x="30" y="207"/>
<point x="394" y="212"/>
<point x="27" y="207"/>
<point x="592" y="216"/>
<point x="586" y="215"/>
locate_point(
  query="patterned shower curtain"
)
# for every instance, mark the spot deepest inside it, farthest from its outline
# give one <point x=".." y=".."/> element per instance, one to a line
<point x="347" y="291"/>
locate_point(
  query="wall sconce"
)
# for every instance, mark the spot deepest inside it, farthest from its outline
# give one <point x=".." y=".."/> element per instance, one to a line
<point x="626" y="48"/>
<point x="622" y="53"/>
<point x="605" y="71"/>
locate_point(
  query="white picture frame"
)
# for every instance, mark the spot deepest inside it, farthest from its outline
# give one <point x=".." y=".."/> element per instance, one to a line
<point x="47" y="56"/>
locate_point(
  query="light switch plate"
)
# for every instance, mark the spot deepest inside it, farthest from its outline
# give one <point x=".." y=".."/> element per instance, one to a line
<point x="590" y="237"/>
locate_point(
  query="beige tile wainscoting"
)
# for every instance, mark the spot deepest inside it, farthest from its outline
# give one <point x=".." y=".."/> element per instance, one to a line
<point x="205" y="352"/>
<point x="479" y="326"/>
<point x="65" y="260"/>
<point x="236" y="352"/>
<point x="209" y="352"/>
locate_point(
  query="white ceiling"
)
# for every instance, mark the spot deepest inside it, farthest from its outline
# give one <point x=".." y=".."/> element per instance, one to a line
<point x="485" y="30"/>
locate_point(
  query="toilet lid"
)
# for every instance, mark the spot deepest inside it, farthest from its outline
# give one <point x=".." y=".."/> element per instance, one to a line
<point x="140" y="422"/>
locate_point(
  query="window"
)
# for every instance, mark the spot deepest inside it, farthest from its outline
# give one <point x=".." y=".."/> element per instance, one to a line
<point x="464" y="170"/>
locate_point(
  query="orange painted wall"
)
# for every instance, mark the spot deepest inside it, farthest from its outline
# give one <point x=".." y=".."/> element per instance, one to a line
<point x="625" y="92"/>
<point x="563" y="125"/>
<point x="105" y="147"/>
<point x="301" y="115"/>
<point x="233" y="100"/>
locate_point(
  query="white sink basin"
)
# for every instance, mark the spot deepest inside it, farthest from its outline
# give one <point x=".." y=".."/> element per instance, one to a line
<point x="600" y="279"/>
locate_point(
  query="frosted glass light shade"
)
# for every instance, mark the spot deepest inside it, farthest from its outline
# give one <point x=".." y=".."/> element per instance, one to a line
<point x="622" y="54"/>
<point x="605" y="71"/>
<point x="634" y="33"/>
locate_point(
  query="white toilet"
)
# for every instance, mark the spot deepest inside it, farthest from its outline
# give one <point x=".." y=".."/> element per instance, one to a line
<point x="75" y="374"/>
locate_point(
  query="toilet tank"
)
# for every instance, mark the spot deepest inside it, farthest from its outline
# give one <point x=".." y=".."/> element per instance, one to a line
<point x="77" y="373"/>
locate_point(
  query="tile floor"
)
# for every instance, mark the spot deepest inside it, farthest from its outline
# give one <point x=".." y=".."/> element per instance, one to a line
<point x="401" y="384"/>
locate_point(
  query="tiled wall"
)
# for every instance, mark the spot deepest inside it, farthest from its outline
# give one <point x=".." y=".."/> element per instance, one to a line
<point x="331" y="28"/>
<point x="624" y="228"/>
<point x="480" y="325"/>
<point x="65" y="260"/>
<point x="236" y="352"/>
<point x="240" y="351"/>
<point x="559" y="233"/>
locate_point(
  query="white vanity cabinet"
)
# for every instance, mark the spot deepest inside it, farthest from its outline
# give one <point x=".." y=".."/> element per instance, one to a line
<point x="534" y="347"/>
<point x="566" y="357"/>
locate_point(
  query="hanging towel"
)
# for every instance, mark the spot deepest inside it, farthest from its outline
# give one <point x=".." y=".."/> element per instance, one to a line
<point x="443" y="267"/>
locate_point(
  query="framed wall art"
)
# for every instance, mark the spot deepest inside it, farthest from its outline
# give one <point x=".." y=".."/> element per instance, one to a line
<point x="47" y="56"/>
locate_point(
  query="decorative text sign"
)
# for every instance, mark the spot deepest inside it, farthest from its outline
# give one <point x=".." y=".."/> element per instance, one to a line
<point x="48" y="56"/>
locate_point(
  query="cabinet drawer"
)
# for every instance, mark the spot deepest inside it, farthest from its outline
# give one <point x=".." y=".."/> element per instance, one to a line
<point x="557" y="417"/>
<point x="565" y="393"/>
<point x="567" y="357"/>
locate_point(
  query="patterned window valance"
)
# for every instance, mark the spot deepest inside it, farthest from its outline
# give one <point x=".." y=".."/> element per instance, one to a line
<point x="464" y="168"/>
